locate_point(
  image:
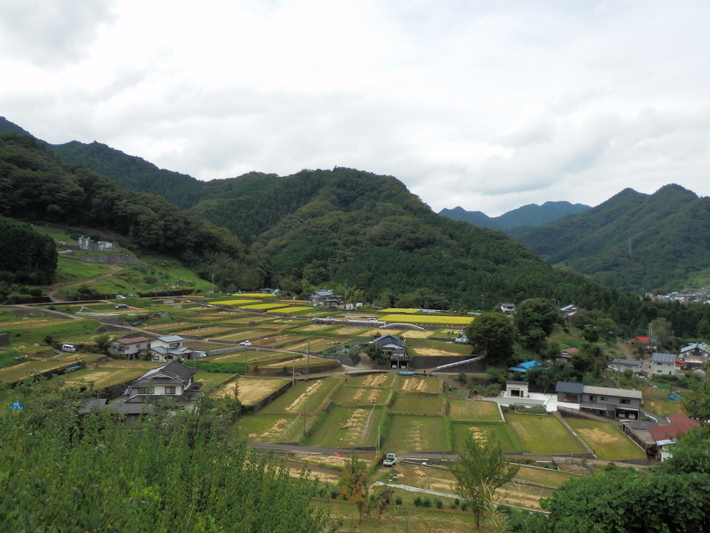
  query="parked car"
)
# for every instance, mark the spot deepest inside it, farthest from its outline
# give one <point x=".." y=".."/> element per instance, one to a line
<point x="390" y="460"/>
<point x="245" y="343"/>
<point x="68" y="348"/>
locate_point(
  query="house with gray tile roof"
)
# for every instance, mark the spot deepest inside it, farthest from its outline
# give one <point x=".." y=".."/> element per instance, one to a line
<point x="169" y="348"/>
<point x="663" y="363"/>
<point x="173" y="380"/>
<point x="602" y="401"/>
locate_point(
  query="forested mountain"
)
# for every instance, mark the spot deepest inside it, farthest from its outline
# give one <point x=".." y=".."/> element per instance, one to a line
<point x="35" y="187"/>
<point x="528" y="216"/>
<point x="632" y="241"/>
<point x="8" y="127"/>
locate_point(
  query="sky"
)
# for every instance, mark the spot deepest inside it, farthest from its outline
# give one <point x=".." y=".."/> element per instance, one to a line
<point x="487" y="105"/>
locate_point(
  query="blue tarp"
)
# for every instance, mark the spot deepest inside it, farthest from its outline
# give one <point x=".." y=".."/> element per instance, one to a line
<point x="524" y="367"/>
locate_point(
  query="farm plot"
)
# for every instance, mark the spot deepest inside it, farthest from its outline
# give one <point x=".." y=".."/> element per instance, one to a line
<point x="485" y="430"/>
<point x="373" y="380"/>
<point x="103" y="377"/>
<point x="316" y="344"/>
<point x="305" y="397"/>
<point x="207" y="331"/>
<point x="236" y="302"/>
<point x="270" y="428"/>
<point x="418" y="404"/>
<point x="361" y="396"/>
<point x="426" y="347"/>
<point x="543" y="435"/>
<point x="212" y="380"/>
<point x="276" y="340"/>
<point x="417" y="384"/>
<point x="474" y="410"/>
<point x="242" y="335"/>
<point x="544" y="476"/>
<point x="606" y="440"/>
<point x="262" y="307"/>
<point x="428" y="319"/>
<point x="290" y="310"/>
<point x="417" y="434"/>
<point x="413" y="334"/>
<point x="354" y="331"/>
<point x="347" y="426"/>
<point x="251" y="390"/>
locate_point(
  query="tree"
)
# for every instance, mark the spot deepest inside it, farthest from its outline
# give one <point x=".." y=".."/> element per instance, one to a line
<point x="479" y="472"/>
<point x="492" y="334"/>
<point x="696" y="402"/>
<point x="353" y="487"/>
<point x="536" y="319"/>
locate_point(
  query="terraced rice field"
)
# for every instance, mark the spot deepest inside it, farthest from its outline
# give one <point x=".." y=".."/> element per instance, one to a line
<point x="373" y="380"/>
<point x="606" y="440"/>
<point x="465" y="430"/>
<point x="345" y="427"/>
<point x="474" y="410"/>
<point x="305" y="397"/>
<point x="543" y="435"/>
<point x="417" y="434"/>
<point x="417" y="384"/>
<point x="251" y="390"/>
<point x="419" y="404"/>
<point x="362" y="396"/>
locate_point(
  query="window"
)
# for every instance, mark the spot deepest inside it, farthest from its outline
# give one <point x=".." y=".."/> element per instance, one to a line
<point x="592" y="398"/>
<point x="169" y="390"/>
<point x="602" y="398"/>
<point x="625" y="401"/>
<point x="146" y="390"/>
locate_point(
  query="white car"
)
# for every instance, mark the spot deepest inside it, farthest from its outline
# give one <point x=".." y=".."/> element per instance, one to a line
<point x="245" y="343"/>
<point x="390" y="460"/>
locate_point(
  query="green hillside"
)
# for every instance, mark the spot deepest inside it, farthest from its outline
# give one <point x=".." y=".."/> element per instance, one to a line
<point x="633" y="241"/>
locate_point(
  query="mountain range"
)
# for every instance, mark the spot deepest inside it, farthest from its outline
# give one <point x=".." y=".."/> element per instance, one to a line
<point x="525" y="217"/>
<point x="347" y="226"/>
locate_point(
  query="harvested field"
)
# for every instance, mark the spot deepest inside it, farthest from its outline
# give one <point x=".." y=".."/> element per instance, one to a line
<point x="434" y="351"/>
<point x="358" y="396"/>
<point x="465" y="430"/>
<point x="544" y="476"/>
<point x="169" y="325"/>
<point x="348" y="331"/>
<point x="122" y="363"/>
<point x="265" y="428"/>
<point x="316" y="327"/>
<point x="251" y="390"/>
<point x="305" y="397"/>
<point x="417" y="334"/>
<point x="241" y="335"/>
<point x="345" y="427"/>
<point x="417" y="434"/>
<point x="606" y="440"/>
<point x="373" y="380"/>
<point x="31" y="322"/>
<point x="417" y="384"/>
<point x="203" y="331"/>
<point x="382" y="331"/>
<point x="104" y="377"/>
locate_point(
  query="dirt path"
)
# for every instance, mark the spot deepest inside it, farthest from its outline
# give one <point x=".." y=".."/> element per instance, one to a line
<point x="57" y="286"/>
<point x="626" y="350"/>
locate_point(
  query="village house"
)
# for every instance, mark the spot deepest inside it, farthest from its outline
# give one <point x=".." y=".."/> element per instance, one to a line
<point x="325" y="299"/>
<point x="603" y="401"/>
<point x="663" y="363"/>
<point x="169" y="348"/>
<point x="129" y="347"/>
<point x="508" y="309"/>
<point x="666" y="436"/>
<point x="172" y="380"/>
<point x="395" y="349"/>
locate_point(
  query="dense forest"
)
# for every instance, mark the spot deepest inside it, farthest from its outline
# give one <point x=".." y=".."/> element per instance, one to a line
<point x="27" y="257"/>
<point x="35" y="187"/>
<point x="633" y="241"/>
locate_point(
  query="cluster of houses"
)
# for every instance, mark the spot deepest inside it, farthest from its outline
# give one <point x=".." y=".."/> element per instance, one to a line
<point x="164" y="349"/>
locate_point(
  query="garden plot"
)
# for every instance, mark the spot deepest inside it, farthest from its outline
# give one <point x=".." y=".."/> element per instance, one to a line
<point x="373" y="380"/>
<point x="417" y="434"/>
<point x="418" y="404"/>
<point x="606" y="440"/>
<point x="474" y="410"/>
<point x="417" y="384"/>
<point x="305" y="397"/>
<point x="485" y="430"/>
<point x="543" y="435"/>
<point x="345" y="427"/>
<point x="360" y="396"/>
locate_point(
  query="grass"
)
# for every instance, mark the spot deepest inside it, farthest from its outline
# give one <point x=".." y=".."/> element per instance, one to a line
<point x="543" y="435"/>
<point x="544" y="476"/>
<point x="474" y="410"/>
<point x="606" y="440"/>
<point x="464" y="430"/>
<point x="419" y="404"/>
<point x="305" y="397"/>
<point x="417" y="434"/>
<point x="332" y="435"/>
<point x="69" y="269"/>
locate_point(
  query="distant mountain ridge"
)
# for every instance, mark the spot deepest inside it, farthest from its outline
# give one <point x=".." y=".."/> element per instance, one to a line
<point x="530" y="216"/>
<point x="633" y="241"/>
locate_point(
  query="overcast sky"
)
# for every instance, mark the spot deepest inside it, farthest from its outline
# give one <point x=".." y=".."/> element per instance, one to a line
<point x="488" y="105"/>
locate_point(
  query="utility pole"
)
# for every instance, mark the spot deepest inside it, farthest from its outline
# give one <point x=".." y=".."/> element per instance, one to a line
<point x="293" y="378"/>
<point x="308" y="359"/>
<point x="212" y="282"/>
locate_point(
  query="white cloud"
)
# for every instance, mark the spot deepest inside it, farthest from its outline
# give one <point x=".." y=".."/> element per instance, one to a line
<point x="486" y="105"/>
